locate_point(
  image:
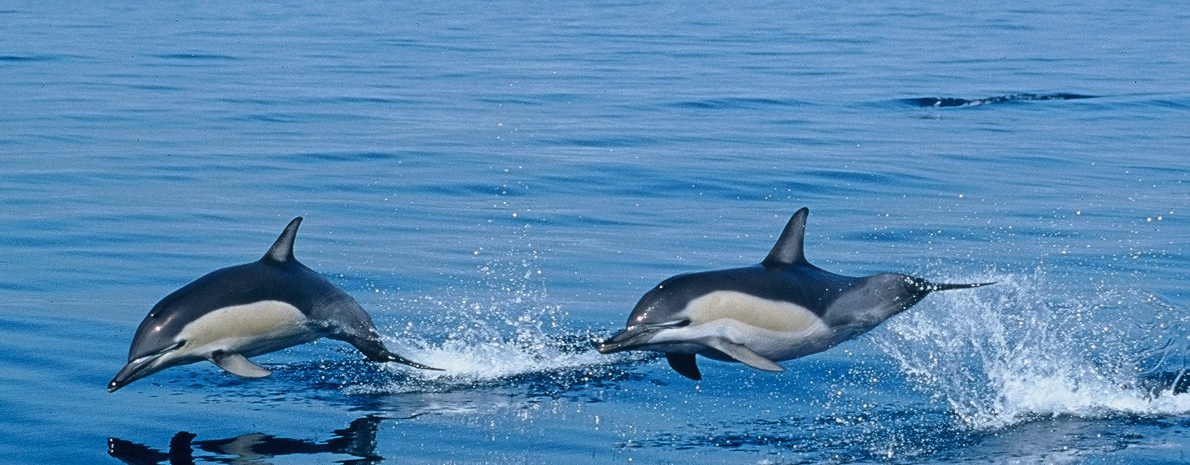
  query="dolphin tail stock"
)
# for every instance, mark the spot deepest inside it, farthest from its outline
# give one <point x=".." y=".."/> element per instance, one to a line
<point x="375" y="351"/>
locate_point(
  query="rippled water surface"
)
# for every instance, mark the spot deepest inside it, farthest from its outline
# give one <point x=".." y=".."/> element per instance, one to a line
<point x="498" y="183"/>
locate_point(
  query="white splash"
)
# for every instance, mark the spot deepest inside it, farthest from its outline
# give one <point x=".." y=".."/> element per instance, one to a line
<point x="467" y="361"/>
<point x="1024" y="349"/>
<point x="498" y="328"/>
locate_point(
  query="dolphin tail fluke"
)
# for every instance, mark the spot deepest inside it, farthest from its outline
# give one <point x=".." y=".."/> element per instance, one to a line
<point x="376" y="352"/>
<point x="684" y="364"/>
<point x="404" y="361"/>
<point x="923" y="287"/>
<point x="946" y="287"/>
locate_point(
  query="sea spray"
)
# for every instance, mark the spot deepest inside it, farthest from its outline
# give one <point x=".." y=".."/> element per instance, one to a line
<point x="500" y="328"/>
<point x="1027" y="348"/>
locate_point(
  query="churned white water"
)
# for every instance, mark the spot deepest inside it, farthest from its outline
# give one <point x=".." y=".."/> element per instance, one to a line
<point x="1028" y="348"/>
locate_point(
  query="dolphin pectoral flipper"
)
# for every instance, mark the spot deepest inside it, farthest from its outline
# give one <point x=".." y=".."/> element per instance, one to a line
<point x="781" y="309"/>
<point x="248" y="310"/>
<point x="684" y="364"/>
<point x="744" y="355"/>
<point x="238" y="365"/>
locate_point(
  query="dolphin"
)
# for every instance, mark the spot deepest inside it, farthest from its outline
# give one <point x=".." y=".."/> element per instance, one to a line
<point x="247" y="310"/>
<point x="781" y="309"/>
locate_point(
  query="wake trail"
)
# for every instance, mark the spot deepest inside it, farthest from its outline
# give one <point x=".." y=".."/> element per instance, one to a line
<point x="1027" y="348"/>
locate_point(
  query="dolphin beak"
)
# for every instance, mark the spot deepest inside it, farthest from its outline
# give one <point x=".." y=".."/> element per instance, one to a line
<point x="628" y="339"/>
<point x="141" y="367"/>
<point x="134" y="370"/>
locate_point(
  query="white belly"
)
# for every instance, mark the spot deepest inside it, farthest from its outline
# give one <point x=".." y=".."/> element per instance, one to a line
<point x="775" y="330"/>
<point x="773" y="345"/>
<point x="250" y="329"/>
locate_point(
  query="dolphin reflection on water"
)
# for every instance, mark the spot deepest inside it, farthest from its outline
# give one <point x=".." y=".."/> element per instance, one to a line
<point x="357" y="440"/>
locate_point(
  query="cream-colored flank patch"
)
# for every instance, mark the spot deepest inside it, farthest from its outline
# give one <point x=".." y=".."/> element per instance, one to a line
<point x="241" y="327"/>
<point x="753" y="311"/>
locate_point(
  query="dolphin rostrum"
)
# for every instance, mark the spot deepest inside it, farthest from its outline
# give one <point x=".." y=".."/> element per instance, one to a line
<point x="247" y="310"/>
<point x="781" y="309"/>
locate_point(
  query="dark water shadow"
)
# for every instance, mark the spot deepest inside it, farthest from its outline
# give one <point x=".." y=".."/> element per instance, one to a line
<point x="358" y="440"/>
<point x="377" y="395"/>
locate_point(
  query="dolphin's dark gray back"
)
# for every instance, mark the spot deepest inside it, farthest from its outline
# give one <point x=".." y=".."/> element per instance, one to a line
<point x="785" y="275"/>
<point x="276" y="276"/>
<point x="807" y="286"/>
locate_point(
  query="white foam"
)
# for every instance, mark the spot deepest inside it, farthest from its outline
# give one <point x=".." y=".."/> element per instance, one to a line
<point x="1024" y="349"/>
<point x="466" y="361"/>
<point x="500" y="327"/>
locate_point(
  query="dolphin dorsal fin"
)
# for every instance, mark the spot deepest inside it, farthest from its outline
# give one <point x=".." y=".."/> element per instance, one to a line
<point x="788" y="250"/>
<point x="282" y="250"/>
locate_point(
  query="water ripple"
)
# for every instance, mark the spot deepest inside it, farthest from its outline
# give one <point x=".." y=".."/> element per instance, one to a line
<point x="737" y="103"/>
<point x="946" y="102"/>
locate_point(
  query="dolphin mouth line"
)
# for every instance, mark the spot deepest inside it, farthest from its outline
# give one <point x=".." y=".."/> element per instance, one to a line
<point x="133" y="371"/>
<point x="630" y="338"/>
<point x="608" y="347"/>
<point x="137" y="368"/>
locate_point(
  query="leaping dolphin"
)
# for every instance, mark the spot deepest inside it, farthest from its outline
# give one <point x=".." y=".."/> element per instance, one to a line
<point x="247" y="310"/>
<point x="781" y="309"/>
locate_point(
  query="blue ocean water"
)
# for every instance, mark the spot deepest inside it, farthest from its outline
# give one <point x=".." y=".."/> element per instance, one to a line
<point x="498" y="183"/>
